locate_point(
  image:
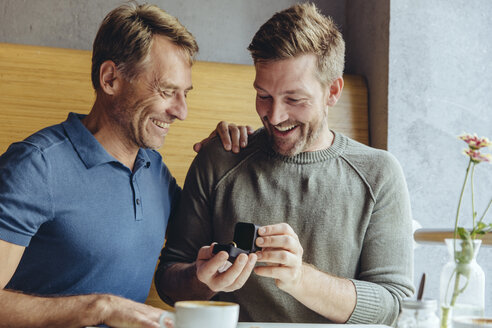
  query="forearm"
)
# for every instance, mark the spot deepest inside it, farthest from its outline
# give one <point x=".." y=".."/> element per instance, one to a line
<point x="20" y="310"/>
<point x="180" y="282"/>
<point x="329" y="296"/>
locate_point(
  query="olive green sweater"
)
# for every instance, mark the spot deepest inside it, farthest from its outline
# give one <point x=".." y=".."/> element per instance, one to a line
<point x="348" y="204"/>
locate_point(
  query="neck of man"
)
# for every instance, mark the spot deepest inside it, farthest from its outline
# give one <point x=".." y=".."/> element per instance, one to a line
<point x="110" y="135"/>
<point x="326" y="139"/>
<point x="323" y="139"/>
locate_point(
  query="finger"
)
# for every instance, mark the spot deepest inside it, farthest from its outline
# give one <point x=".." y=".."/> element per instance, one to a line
<point x="243" y="136"/>
<point x="244" y="275"/>
<point x="168" y="323"/>
<point x="131" y="314"/>
<point x="281" y="257"/>
<point x="143" y="323"/>
<point x="277" y="229"/>
<point x="250" y="129"/>
<point x="235" y="132"/>
<point x="208" y="268"/>
<point x="285" y="242"/>
<point x="152" y="313"/>
<point x="207" y="271"/>
<point x="275" y="272"/>
<point x="197" y="146"/>
<point x="226" y="279"/>
<point x="223" y="130"/>
<point x="206" y="252"/>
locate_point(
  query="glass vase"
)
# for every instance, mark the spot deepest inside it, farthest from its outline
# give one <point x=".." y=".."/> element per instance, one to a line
<point x="462" y="282"/>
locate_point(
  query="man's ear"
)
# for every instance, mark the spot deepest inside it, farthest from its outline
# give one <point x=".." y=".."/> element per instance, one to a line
<point x="334" y="92"/>
<point x="109" y="77"/>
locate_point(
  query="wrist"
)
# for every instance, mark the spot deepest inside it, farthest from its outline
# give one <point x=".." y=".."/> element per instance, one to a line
<point x="97" y="309"/>
<point x="203" y="289"/>
<point x="296" y="286"/>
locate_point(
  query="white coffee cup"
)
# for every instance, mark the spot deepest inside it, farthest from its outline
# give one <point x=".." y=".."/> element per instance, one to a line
<point x="202" y="314"/>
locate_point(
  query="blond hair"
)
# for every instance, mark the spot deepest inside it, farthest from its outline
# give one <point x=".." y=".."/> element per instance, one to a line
<point x="301" y="29"/>
<point x="125" y="37"/>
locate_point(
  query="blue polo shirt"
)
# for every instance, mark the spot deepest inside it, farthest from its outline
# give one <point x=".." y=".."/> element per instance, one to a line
<point x="89" y="224"/>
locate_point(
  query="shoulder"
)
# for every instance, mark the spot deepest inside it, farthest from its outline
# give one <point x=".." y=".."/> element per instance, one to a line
<point x="214" y="153"/>
<point x="213" y="162"/>
<point x="34" y="147"/>
<point x="368" y="158"/>
<point x="375" y="166"/>
<point x="47" y="138"/>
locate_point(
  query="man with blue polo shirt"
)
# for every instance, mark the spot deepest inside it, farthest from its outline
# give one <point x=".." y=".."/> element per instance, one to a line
<point x="84" y="204"/>
<point x="87" y="198"/>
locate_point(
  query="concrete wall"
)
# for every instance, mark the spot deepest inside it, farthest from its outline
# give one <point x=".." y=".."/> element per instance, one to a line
<point x="223" y="28"/>
<point x="440" y="85"/>
<point x="427" y="64"/>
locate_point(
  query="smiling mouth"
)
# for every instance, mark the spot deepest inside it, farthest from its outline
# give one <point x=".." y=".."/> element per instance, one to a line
<point x="160" y="124"/>
<point x="285" y="128"/>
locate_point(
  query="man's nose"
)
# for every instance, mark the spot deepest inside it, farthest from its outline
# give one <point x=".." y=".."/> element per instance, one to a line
<point x="277" y="113"/>
<point x="179" y="108"/>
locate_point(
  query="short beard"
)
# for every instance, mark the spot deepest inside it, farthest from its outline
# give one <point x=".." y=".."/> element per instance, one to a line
<point x="304" y="143"/>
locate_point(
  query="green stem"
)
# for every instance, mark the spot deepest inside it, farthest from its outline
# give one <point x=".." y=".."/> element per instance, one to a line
<point x="456" y="291"/>
<point x="449" y="283"/>
<point x="445" y="309"/>
<point x="472" y="197"/>
<point x="486" y="210"/>
<point x="445" y="316"/>
<point x="459" y="205"/>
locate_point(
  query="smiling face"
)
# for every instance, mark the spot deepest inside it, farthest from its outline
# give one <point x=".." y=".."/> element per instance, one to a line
<point x="146" y="106"/>
<point x="293" y="104"/>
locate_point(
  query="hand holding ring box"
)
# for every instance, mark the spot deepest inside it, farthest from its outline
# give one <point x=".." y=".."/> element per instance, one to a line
<point x="245" y="235"/>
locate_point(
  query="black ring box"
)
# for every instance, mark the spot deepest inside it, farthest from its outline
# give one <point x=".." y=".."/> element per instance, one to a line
<point x="245" y="235"/>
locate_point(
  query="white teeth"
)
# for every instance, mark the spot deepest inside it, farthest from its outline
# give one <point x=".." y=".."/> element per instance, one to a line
<point x="160" y="124"/>
<point x="285" y="128"/>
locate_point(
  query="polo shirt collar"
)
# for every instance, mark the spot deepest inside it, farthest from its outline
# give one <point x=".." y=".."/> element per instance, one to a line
<point x="91" y="152"/>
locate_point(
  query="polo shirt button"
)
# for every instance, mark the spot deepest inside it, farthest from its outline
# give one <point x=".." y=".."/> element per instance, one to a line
<point x="138" y="201"/>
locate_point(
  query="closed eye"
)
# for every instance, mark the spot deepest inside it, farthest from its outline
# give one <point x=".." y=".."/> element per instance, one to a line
<point x="167" y="93"/>
<point x="263" y="97"/>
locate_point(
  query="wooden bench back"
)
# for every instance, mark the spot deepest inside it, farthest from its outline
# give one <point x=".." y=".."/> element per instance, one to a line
<point x="39" y="86"/>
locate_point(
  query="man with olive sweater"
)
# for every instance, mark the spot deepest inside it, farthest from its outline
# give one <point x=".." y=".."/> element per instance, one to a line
<point x="335" y="216"/>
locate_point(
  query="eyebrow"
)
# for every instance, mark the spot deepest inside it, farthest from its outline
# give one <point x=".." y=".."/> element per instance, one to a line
<point x="163" y="84"/>
<point x="166" y="85"/>
<point x="288" y="92"/>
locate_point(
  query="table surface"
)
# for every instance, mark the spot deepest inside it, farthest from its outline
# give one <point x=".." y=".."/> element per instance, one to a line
<point x="296" y="325"/>
<point x="301" y="325"/>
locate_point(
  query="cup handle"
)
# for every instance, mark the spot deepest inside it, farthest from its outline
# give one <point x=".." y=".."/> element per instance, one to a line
<point x="166" y="315"/>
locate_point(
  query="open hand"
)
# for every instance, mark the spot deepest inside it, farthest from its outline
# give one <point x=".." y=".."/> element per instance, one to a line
<point x="233" y="136"/>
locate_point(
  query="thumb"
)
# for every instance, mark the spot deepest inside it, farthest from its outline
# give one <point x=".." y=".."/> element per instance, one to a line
<point x="197" y="147"/>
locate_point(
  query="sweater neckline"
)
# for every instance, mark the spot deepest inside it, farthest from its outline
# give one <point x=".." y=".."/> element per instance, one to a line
<point x="309" y="157"/>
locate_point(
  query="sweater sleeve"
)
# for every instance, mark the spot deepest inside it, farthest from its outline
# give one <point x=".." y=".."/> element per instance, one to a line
<point x="189" y="226"/>
<point x="386" y="261"/>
